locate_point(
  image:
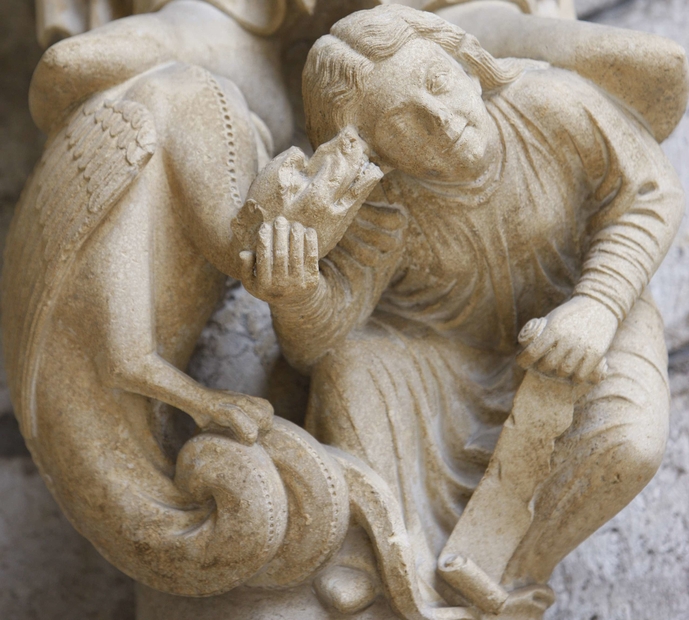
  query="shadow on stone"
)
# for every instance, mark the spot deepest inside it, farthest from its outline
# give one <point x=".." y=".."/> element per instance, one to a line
<point x="11" y="441"/>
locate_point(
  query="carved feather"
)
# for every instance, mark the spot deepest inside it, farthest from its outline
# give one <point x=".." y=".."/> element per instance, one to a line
<point x="85" y="170"/>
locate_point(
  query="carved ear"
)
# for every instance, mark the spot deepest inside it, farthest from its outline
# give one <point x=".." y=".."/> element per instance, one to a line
<point x="262" y="17"/>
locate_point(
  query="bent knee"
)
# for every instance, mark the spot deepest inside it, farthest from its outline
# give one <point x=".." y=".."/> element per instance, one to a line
<point x="637" y="445"/>
<point x="641" y="453"/>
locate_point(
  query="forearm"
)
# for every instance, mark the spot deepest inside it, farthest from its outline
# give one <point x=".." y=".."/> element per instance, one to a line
<point x="311" y="327"/>
<point x="352" y="279"/>
<point x="624" y="255"/>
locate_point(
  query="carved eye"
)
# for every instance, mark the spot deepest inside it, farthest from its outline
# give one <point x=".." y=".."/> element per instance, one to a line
<point x="438" y="83"/>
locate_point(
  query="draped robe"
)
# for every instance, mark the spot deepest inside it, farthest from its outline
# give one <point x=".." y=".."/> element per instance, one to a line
<point x="411" y="336"/>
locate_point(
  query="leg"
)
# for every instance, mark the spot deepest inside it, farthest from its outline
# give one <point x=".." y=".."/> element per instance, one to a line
<point x="123" y="289"/>
<point x="212" y="147"/>
<point x="610" y="453"/>
<point x="384" y="397"/>
<point x="177" y="195"/>
<point x="347" y="410"/>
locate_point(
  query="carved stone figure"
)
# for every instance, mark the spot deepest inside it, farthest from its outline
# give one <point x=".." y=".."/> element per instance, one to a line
<point x="518" y="192"/>
<point x="458" y="203"/>
<point x="116" y="257"/>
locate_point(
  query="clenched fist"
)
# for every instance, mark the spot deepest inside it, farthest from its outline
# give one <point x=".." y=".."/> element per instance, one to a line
<point x="571" y="341"/>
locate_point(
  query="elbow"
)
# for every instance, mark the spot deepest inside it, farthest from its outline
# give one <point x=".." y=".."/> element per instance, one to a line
<point x="300" y="355"/>
<point x="670" y="92"/>
<point x="80" y="66"/>
<point x="676" y="69"/>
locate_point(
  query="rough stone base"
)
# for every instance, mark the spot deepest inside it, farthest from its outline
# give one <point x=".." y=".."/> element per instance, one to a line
<point x="246" y="604"/>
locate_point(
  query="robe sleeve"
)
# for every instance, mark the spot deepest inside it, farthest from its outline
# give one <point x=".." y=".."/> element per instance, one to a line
<point x="629" y="201"/>
<point x="352" y="278"/>
<point x="638" y="203"/>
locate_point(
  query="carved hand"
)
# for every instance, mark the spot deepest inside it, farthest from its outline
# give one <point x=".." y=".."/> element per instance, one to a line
<point x="323" y="194"/>
<point x="573" y="342"/>
<point x="285" y="264"/>
<point x="246" y="416"/>
<point x="333" y="186"/>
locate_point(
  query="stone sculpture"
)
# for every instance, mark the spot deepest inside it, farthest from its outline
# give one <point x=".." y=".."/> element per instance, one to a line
<point x="458" y="203"/>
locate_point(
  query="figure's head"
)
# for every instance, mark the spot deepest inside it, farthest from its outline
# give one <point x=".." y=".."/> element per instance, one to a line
<point x="412" y="83"/>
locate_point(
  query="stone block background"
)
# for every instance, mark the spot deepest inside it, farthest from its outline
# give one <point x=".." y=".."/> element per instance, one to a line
<point x="635" y="568"/>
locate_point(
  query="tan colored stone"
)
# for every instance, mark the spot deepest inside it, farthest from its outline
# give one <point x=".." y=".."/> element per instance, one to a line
<point x="453" y="199"/>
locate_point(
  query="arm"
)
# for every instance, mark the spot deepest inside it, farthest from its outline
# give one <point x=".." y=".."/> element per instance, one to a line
<point x="633" y="235"/>
<point x="638" y="207"/>
<point x="646" y="72"/>
<point x="301" y="211"/>
<point x="351" y="280"/>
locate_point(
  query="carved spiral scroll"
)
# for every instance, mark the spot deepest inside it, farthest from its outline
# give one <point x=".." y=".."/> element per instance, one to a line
<point x="275" y="512"/>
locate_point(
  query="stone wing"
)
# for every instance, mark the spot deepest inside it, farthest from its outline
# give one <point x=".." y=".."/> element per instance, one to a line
<point x="85" y="169"/>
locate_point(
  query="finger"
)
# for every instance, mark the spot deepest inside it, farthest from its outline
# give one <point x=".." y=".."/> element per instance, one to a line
<point x="311" y="255"/>
<point x="600" y="372"/>
<point x="244" y="428"/>
<point x="536" y="350"/>
<point x="248" y="262"/>
<point x="261" y="412"/>
<point x="587" y="366"/>
<point x="550" y="363"/>
<point x="296" y="252"/>
<point x="532" y="330"/>
<point x="264" y="256"/>
<point x="281" y="249"/>
<point x="569" y="365"/>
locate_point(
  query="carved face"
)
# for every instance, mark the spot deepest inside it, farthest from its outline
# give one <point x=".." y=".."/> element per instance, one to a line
<point x="424" y="115"/>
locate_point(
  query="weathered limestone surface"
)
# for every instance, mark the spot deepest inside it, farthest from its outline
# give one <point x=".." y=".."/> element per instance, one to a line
<point x="20" y="141"/>
<point x="47" y="570"/>
<point x="636" y="567"/>
<point x="669" y="18"/>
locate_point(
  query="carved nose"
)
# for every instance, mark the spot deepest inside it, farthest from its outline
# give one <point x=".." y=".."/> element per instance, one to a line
<point x="449" y="124"/>
<point x="443" y="119"/>
<point x="454" y="128"/>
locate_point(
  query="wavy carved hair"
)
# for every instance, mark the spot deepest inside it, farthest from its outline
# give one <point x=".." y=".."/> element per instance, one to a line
<point x="338" y="64"/>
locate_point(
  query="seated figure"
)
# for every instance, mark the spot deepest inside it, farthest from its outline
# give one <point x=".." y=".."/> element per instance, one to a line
<point x="513" y="190"/>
